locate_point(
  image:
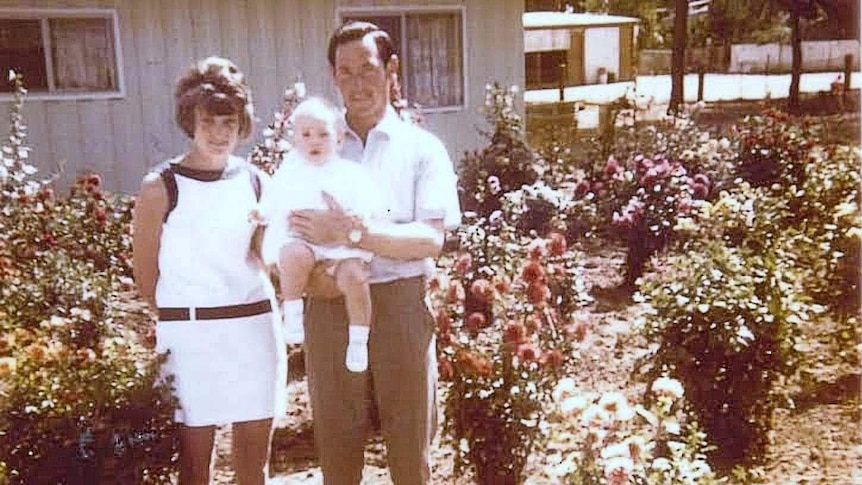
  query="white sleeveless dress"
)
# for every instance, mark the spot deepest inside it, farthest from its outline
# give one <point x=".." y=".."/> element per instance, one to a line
<point x="224" y="370"/>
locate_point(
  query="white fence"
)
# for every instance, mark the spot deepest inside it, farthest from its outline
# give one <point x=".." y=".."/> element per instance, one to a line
<point x="827" y="55"/>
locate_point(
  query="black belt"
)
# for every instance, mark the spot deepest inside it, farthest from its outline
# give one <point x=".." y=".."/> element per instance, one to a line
<point x="167" y="314"/>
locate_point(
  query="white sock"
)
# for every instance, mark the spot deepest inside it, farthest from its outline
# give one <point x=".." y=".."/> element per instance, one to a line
<point x="356" y="359"/>
<point x="291" y="314"/>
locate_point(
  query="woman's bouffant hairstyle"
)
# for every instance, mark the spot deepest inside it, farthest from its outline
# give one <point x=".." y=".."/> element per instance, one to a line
<point x="218" y="87"/>
<point x="357" y="30"/>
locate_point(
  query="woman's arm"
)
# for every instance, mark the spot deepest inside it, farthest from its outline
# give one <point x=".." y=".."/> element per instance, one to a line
<point x="150" y="207"/>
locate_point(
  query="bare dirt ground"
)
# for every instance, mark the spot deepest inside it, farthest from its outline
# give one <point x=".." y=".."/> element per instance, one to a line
<point x="817" y="442"/>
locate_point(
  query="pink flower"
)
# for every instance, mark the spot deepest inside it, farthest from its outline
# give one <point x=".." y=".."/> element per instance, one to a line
<point x="533" y="273"/>
<point x="582" y="187"/>
<point x="556" y="244"/>
<point x="476" y="321"/>
<point x="612" y="167"/>
<point x="618" y="470"/>
<point x="701" y="191"/>
<point x="538" y="294"/>
<point x="528" y="352"/>
<point x="482" y="291"/>
<point x="455" y="292"/>
<point x="515" y="334"/>
<point x="463" y="263"/>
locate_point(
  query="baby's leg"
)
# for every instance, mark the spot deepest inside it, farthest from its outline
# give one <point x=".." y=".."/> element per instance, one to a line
<point x="295" y="261"/>
<point x="351" y="276"/>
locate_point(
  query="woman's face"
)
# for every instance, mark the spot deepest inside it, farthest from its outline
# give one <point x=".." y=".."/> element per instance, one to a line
<point x="216" y="135"/>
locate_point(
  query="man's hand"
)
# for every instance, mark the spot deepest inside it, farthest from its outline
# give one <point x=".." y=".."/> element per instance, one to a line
<point x="324" y="227"/>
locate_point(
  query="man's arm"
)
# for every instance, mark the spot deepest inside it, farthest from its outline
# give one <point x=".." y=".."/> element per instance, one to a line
<point x="412" y="240"/>
<point x="150" y="207"/>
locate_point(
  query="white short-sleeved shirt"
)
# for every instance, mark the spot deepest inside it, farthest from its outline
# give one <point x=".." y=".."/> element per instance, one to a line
<point x="416" y="180"/>
<point x="298" y="184"/>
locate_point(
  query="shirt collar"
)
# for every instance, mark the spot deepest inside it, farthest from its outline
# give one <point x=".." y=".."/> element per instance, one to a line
<point x="387" y="126"/>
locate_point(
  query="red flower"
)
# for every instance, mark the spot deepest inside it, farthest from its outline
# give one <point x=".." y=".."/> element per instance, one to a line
<point x="701" y="191"/>
<point x="552" y="359"/>
<point x="533" y="273"/>
<point x="101" y="214"/>
<point x="612" y="167"/>
<point x="537" y="250"/>
<point x="502" y="285"/>
<point x="533" y="324"/>
<point x="579" y="331"/>
<point x="444" y="321"/>
<point x="528" y="352"/>
<point x="434" y="284"/>
<point x="455" y="292"/>
<point x="473" y="363"/>
<point x="482" y="291"/>
<point x="445" y="369"/>
<point x="515" y="334"/>
<point x="476" y="321"/>
<point x="463" y="263"/>
<point x="582" y="187"/>
<point x="538" y="294"/>
<point x="556" y="244"/>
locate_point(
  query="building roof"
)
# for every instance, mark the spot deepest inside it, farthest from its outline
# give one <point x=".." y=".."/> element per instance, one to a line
<point x="565" y="20"/>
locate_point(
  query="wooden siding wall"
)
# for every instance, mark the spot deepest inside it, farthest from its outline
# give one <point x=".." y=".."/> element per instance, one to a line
<point x="273" y="42"/>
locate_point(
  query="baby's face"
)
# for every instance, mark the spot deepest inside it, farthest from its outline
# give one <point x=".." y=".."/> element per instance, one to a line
<point x="316" y="139"/>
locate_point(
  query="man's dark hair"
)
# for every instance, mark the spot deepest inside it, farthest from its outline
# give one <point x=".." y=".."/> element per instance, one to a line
<point x="357" y="30"/>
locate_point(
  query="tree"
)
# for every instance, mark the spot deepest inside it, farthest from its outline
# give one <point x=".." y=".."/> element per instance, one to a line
<point x="680" y="25"/>
<point x="799" y="9"/>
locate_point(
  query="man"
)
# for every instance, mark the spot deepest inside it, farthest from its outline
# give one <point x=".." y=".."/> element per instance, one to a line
<point x="415" y="174"/>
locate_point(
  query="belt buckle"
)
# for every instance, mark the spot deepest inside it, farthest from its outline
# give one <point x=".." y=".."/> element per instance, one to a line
<point x="193" y="314"/>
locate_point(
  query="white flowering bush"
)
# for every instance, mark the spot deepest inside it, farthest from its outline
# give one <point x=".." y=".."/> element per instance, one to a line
<point x="604" y="439"/>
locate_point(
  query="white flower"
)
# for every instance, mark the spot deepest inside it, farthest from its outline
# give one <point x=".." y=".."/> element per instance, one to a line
<point x="564" y="388"/>
<point x="574" y="405"/>
<point x="665" y="386"/>
<point x="299" y="89"/>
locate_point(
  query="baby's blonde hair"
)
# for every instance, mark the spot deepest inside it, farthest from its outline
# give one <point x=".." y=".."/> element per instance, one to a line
<point x="320" y="109"/>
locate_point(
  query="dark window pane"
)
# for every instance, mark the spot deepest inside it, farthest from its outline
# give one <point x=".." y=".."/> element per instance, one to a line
<point x="21" y="49"/>
<point x="83" y="54"/>
<point x="545" y="69"/>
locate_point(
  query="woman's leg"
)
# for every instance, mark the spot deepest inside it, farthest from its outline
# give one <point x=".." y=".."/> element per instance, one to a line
<point x="196" y="451"/>
<point x="251" y="440"/>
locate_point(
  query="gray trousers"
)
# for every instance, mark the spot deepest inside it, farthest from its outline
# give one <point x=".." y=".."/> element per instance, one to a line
<point x="400" y="382"/>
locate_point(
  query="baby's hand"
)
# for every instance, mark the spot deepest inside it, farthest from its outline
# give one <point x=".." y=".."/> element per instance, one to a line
<point x="256" y="218"/>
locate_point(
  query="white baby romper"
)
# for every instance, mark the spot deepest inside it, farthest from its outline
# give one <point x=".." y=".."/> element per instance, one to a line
<point x="229" y="369"/>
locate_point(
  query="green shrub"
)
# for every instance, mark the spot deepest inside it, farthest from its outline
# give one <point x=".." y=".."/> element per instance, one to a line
<point x="724" y="321"/>
<point x="82" y="401"/>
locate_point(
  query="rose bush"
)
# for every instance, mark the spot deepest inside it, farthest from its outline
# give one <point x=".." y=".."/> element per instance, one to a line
<point x="82" y="400"/>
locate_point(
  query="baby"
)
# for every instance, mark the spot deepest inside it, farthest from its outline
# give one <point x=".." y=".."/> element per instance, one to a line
<point x="314" y="167"/>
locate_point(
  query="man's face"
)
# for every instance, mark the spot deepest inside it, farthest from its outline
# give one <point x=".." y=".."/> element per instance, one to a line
<point x="362" y="79"/>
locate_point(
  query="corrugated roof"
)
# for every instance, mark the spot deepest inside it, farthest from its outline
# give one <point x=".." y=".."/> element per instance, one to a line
<point x="557" y="20"/>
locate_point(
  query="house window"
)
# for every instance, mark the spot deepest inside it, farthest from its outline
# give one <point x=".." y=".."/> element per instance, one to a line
<point x="61" y="52"/>
<point x="545" y="69"/>
<point x="430" y="45"/>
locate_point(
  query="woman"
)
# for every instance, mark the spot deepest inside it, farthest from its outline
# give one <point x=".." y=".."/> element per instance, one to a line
<point x="193" y="265"/>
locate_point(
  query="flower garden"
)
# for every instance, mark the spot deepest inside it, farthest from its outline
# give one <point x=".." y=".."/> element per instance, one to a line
<point x="736" y="249"/>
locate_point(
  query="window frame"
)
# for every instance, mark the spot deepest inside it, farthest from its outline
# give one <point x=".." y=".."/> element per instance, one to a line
<point x="402" y="11"/>
<point x="44" y="15"/>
